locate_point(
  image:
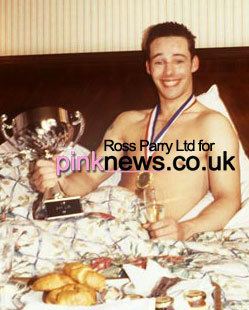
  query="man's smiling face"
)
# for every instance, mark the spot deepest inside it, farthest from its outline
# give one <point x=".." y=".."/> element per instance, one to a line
<point x="171" y="67"/>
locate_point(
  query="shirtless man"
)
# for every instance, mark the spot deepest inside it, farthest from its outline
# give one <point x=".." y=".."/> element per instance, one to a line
<point x="171" y="61"/>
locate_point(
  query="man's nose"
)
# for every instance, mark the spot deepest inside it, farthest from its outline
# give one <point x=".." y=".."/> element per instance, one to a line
<point x="168" y="69"/>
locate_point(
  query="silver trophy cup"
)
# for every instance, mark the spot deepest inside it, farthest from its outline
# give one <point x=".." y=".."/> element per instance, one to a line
<point x="44" y="131"/>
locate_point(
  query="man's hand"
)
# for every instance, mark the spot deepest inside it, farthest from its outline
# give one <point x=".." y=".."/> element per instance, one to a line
<point x="44" y="175"/>
<point x="166" y="229"/>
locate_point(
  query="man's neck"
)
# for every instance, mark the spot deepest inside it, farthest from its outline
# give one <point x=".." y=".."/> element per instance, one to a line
<point x="169" y="107"/>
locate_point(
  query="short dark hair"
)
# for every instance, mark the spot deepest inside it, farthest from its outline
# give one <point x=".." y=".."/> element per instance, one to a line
<point x="167" y="29"/>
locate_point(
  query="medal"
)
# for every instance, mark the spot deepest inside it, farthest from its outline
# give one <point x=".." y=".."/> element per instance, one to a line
<point x="144" y="179"/>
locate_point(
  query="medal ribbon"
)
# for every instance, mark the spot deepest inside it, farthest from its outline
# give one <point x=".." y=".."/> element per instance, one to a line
<point x="153" y="119"/>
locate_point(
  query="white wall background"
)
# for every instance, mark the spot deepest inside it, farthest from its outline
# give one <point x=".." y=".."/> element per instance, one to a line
<point x="72" y="26"/>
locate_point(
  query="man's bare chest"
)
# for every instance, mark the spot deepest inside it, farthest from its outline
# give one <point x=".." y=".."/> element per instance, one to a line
<point x="179" y="140"/>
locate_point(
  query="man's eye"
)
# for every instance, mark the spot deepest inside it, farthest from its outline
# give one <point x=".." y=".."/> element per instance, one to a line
<point x="158" y="62"/>
<point x="179" y="61"/>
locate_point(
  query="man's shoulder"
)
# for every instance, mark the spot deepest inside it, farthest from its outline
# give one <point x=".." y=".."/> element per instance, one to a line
<point x="215" y="124"/>
<point x="127" y="121"/>
<point x="211" y="117"/>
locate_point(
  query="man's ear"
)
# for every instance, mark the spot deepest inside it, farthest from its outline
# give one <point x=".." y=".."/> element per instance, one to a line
<point x="195" y="64"/>
<point x="147" y="67"/>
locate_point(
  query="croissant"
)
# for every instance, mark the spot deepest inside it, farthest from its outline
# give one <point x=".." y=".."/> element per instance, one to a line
<point x="71" y="266"/>
<point x="52" y="296"/>
<point x="95" y="280"/>
<point x="79" y="274"/>
<point x="51" y="281"/>
<point x="78" y="285"/>
<point x="81" y="295"/>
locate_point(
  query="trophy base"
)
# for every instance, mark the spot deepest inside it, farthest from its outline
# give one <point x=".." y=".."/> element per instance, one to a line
<point x="62" y="208"/>
<point x="56" y="208"/>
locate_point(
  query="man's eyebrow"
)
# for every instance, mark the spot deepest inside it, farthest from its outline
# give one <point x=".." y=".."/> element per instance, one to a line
<point x="174" y="55"/>
<point x="182" y="55"/>
<point x="156" y="55"/>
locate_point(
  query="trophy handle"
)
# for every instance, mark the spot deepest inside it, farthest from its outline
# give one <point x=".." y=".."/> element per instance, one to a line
<point x="79" y="121"/>
<point x="5" y="127"/>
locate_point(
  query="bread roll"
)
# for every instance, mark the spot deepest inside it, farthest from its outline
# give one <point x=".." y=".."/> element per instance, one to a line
<point x="51" y="281"/>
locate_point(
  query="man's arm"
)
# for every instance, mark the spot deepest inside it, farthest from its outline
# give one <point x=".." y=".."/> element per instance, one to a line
<point x="224" y="185"/>
<point x="83" y="182"/>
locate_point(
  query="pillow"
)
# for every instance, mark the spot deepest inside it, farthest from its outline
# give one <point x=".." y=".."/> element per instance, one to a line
<point x="212" y="100"/>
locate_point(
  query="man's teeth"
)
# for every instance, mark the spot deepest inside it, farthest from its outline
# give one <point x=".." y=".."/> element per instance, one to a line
<point x="169" y="82"/>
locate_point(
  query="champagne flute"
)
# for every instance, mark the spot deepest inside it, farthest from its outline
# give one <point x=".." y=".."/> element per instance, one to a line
<point x="155" y="211"/>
